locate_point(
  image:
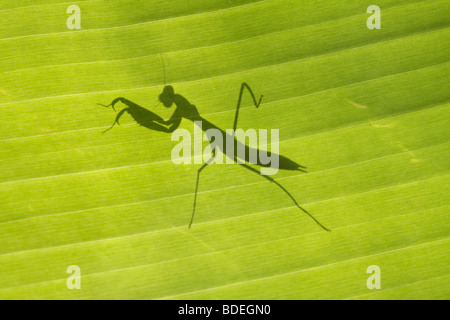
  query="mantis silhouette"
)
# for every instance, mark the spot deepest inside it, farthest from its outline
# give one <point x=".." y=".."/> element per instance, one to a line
<point x="186" y="110"/>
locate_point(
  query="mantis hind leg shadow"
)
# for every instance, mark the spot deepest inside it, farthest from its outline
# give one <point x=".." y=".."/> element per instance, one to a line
<point x="286" y="192"/>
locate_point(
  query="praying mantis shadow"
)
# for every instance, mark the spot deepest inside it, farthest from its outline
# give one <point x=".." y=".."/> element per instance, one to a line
<point x="185" y="110"/>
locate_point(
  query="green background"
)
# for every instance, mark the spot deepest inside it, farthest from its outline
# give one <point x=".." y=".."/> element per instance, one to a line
<point x="367" y="111"/>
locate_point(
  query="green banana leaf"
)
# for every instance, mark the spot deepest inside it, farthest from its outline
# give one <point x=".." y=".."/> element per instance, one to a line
<point x="365" y="110"/>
